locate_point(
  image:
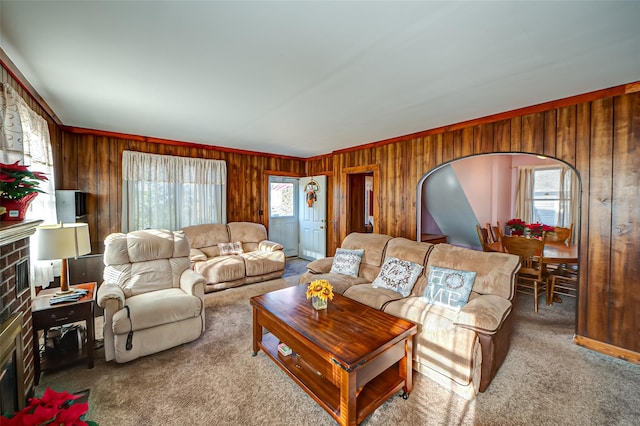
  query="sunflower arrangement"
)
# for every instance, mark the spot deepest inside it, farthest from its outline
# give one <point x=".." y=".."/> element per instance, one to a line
<point x="320" y="289"/>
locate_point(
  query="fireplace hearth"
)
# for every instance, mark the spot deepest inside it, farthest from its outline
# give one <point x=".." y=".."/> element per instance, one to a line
<point x="11" y="365"/>
<point x="16" y="342"/>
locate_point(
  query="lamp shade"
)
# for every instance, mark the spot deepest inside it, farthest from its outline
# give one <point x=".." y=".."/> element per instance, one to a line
<point x="62" y="241"/>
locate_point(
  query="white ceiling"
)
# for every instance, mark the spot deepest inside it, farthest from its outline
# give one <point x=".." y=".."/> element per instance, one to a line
<point x="307" y="78"/>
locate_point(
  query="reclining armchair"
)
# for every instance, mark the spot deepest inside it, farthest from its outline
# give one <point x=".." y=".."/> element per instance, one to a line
<point x="152" y="299"/>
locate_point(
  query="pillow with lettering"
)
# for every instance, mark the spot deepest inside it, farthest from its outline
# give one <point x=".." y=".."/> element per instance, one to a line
<point x="398" y="275"/>
<point x="230" y="248"/>
<point x="347" y="262"/>
<point x="448" y="287"/>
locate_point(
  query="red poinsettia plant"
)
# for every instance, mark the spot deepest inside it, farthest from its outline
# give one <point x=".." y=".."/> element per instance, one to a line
<point x="517" y="226"/>
<point x="17" y="181"/>
<point x="536" y="229"/>
<point x="54" y="408"/>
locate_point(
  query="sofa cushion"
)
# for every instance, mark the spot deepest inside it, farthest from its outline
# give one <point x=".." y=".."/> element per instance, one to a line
<point x="375" y="245"/>
<point x="260" y="263"/>
<point x="221" y="269"/>
<point x="207" y="235"/>
<point x="495" y="271"/>
<point x="368" y="295"/>
<point x="449" y="287"/>
<point x="156" y="308"/>
<point x="484" y="314"/>
<point x="347" y="262"/>
<point x="398" y="275"/>
<point x="247" y="232"/>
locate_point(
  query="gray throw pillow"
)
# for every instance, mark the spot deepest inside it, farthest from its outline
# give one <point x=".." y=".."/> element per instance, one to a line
<point x="347" y="262"/>
<point x="448" y="287"/>
<point x="398" y="275"/>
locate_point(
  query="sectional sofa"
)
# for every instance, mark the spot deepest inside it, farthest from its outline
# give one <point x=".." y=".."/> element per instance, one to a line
<point x="460" y="348"/>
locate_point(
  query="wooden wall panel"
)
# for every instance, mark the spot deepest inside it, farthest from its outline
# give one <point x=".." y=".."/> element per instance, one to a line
<point x="583" y="156"/>
<point x="624" y="292"/>
<point x="599" y="231"/>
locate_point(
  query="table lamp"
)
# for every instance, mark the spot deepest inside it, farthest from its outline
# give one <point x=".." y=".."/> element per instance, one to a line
<point x="63" y="241"/>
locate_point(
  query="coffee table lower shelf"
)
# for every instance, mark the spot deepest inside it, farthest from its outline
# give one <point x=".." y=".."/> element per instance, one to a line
<point x="324" y="392"/>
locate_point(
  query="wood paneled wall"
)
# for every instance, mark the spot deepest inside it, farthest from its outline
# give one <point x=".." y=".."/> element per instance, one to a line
<point x="92" y="164"/>
<point x="600" y="138"/>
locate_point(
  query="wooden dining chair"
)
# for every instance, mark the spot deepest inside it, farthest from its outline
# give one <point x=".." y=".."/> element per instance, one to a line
<point x="496" y="231"/>
<point x="491" y="237"/>
<point x="560" y="234"/>
<point x="562" y="282"/>
<point x="532" y="276"/>
<point x="483" y="236"/>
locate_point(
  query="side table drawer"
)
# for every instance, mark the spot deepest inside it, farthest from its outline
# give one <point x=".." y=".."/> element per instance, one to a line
<point x="51" y="318"/>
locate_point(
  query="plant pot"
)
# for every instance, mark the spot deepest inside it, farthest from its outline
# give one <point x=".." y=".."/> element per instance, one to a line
<point x="318" y="303"/>
<point x="16" y="209"/>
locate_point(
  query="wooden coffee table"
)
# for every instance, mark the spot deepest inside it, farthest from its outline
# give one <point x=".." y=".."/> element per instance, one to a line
<point x="350" y="358"/>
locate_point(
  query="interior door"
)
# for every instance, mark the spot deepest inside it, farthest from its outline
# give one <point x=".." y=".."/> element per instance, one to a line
<point x="313" y="217"/>
<point x="283" y="213"/>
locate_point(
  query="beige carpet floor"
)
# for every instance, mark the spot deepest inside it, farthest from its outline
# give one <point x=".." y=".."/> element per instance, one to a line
<point x="545" y="380"/>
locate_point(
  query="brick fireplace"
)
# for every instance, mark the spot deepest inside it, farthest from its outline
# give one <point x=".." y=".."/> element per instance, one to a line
<point x="15" y="300"/>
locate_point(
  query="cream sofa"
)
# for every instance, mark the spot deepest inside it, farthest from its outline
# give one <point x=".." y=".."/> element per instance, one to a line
<point x="260" y="259"/>
<point x="461" y="350"/>
<point x="152" y="299"/>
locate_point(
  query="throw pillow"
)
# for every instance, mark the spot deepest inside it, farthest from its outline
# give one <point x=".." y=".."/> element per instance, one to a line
<point x="347" y="262"/>
<point x="230" y="248"/>
<point x="398" y="275"/>
<point x="237" y="248"/>
<point x="225" y="248"/>
<point x="448" y="287"/>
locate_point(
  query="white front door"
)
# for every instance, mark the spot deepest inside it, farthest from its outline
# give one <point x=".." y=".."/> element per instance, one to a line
<point x="283" y="213"/>
<point x="313" y="217"/>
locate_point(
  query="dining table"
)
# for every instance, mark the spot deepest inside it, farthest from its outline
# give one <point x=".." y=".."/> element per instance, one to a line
<point x="554" y="252"/>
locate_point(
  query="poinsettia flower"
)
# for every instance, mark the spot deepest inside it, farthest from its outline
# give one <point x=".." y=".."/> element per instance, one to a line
<point x="71" y="416"/>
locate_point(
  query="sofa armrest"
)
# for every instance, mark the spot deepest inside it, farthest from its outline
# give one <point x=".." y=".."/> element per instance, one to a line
<point x="196" y="255"/>
<point x="320" y="266"/>
<point x="193" y="283"/>
<point x="110" y="291"/>
<point x="266" y="245"/>
<point x="484" y="314"/>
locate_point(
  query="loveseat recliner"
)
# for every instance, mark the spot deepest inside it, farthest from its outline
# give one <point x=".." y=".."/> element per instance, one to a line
<point x="152" y="299"/>
<point x="461" y="349"/>
<point x="234" y="254"/>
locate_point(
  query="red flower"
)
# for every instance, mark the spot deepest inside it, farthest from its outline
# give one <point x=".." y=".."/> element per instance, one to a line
<point x="56" y="408"/>
<point x="17" y="181"/>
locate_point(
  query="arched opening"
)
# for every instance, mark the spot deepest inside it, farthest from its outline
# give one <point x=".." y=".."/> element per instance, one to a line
<point x="479" y="190"/>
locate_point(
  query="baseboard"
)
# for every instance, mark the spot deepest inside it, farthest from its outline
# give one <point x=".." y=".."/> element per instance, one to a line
<point x="607" y="349"/>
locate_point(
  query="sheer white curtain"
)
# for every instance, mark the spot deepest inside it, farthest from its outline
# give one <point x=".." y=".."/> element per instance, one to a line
<point x="24" y="137"/>
<point x="163" y="191"/>
<point x="569" y="199"/>
<point x="524" y="194"/>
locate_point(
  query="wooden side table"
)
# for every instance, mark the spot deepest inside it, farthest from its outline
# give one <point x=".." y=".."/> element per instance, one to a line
<point x="46" y="316"/>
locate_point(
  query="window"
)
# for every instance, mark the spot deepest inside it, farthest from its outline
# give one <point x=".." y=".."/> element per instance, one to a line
<point x="167" y="192"/>
<point x="552" y="195"/>
<point x="282" y="199"/>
